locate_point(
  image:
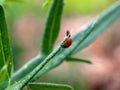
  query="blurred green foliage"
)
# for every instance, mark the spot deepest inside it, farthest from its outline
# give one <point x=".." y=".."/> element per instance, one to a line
<point x="74" y="7"/>
<point x="16" y="8"/>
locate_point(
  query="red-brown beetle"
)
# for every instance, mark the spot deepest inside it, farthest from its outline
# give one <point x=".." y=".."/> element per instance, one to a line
<point x="68" y="41"/>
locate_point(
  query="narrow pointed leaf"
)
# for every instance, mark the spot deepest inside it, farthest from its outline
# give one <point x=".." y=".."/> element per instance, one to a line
<point x="49" y="86"/>
<point x="52" y="26"/>
<point x="99" y="25"/>
<point x="74" y="59"/>
<point x="5" y="52"/>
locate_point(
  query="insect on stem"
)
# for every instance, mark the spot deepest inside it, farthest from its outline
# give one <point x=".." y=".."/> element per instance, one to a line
<point x="68" y="41"/>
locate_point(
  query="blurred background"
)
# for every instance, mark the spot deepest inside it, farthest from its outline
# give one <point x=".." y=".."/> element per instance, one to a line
<point x="26" y="20"/>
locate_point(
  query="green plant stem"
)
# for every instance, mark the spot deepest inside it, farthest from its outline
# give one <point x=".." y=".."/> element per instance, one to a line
<point x="26" y="68"/>
<point x="19" y="85"/>
<point x="81" y="40"/>
<point x="52" y="27"/>
<point x="86" y="35"/>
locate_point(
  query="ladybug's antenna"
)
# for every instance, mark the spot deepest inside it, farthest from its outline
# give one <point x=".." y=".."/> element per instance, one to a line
<point x="68" y="33"/>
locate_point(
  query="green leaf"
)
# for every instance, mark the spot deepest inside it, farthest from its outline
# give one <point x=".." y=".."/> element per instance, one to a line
<point x="5" y="52"/>
<point x="74" y="59"/>
<point x="49" y="86"/>
<point x="98" y="25"/>
<point x="81" y="39"/>
<point x="3" y="73"/>
<point x="3" y="77"/>
<point x="52" y="26"/>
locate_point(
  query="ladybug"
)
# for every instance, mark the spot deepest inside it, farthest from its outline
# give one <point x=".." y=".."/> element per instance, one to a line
<point x="68" y="41"/>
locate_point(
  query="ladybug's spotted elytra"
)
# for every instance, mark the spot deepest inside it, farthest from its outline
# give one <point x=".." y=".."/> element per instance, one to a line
<point x="68" y="41"/>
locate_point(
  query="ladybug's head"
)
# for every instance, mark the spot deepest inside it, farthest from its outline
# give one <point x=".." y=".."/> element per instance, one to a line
<point x="68" y="34"/>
